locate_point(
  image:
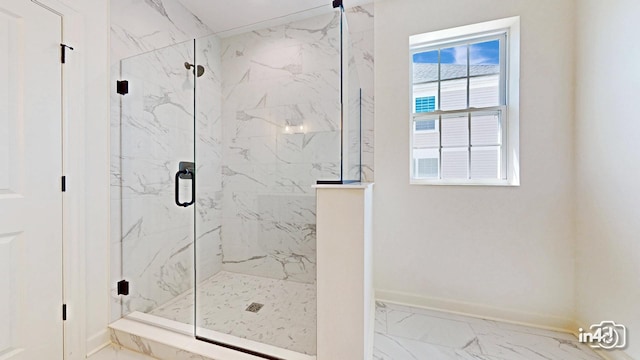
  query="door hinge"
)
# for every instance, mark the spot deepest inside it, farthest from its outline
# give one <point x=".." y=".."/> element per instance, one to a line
<point x="63" y="52"/>
<point x="123" y="287"/>
<point x="64" y="183"/>
<point x="122" y="87"/>
<point x="64" y="312"/>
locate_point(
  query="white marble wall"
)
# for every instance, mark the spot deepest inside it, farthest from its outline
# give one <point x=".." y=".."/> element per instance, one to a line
<point x="281" y="113"/>
<point x="281" y="121"/>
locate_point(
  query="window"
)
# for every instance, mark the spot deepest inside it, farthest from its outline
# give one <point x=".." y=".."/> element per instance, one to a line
<point x="464" y="92"/>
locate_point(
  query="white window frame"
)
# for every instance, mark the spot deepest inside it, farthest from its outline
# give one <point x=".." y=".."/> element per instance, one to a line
<point x="509" y="112"/>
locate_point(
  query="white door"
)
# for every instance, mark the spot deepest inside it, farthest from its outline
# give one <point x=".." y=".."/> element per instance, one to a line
<point x="30" y="179"/>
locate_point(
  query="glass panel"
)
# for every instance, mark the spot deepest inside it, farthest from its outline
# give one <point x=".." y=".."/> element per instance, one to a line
<point x="425" y="81"/>
<point x="455" y="147"/>
<point x="209" y="144"/>
<point x="485" y="129"/>
<point x="484" y="91"/>
<point x="453" y="63"/>
<point x="484" y="68"/>
<point x="426" y="164"/>
<point x="455" y="163"/>
<point x="426" y="134"/>
<point x="485" y="162"/>
<point x="453" y="94"/>
<point x="262" y="142"/>
<point x="352" y="103"/>
<point x="425" y="67"/>
<point x="157" y="134"/>
<point x="455" y="131"/>
<point x="484" y="58"/>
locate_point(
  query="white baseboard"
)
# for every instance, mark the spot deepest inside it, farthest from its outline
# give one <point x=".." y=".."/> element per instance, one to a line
<point x="98" y="342"/>
<point x="549" y="322"/>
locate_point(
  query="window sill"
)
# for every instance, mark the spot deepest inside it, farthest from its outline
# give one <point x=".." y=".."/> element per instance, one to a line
<point x="509" y="183"/>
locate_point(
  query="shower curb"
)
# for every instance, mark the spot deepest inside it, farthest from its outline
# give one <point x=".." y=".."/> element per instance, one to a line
<point x="165" y="344"/>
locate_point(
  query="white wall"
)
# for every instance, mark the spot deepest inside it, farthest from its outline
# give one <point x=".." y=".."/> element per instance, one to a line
<point x="608" y="196"/>
<point x="96" y="180"/>
<point x="495" y="251"/>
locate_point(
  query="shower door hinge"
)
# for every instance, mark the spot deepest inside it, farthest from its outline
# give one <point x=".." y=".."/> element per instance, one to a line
<point x="63" y="52"/>
<point x="64" y="183"/>
<point x="64" y="312"/>
<point x="123" y="287"/>
<point x="122" y="87"/>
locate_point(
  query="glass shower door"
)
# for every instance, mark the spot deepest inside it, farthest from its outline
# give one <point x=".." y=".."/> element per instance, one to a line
<point x="157" y="177"/>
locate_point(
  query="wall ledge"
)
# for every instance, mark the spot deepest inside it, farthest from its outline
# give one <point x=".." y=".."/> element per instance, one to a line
<point x="364" y="185"/>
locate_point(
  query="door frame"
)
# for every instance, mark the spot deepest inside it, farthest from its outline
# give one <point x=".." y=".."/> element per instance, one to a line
<point x="73" y="162"/>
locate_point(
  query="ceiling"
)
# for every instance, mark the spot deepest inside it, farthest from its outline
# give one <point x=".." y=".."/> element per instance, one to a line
<point x="223" y="16"/>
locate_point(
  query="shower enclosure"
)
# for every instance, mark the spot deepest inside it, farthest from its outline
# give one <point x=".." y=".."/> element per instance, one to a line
<point x="222" y="138"/>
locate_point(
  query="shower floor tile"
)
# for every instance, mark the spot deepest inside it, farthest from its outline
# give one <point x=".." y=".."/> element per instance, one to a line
<point x="287" y="318"/>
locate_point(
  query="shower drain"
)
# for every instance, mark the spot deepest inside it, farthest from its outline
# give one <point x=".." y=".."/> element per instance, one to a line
<point x="254" y="307"/>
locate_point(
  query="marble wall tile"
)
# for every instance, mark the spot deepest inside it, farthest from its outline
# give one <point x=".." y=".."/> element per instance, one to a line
<point x="314" y="116"/>
<point x="139" y="26"/>
<point x="250" y="150"/>
<point x="360" y="18"/>
<point x="321" y="31"/>
<point x="158" y="267"/>
<point x="275" y="62"/>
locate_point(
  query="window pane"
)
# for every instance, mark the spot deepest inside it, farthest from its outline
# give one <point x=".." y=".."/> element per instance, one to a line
<point x="427" y="168"/>
<point x="426" y="139"/>
<point x="425" y="67"/>
<point x="455" y="163"/>
<point x="453" y="63"/>
<point x="484" y="58"/>
<point x="485" y="162"/>
<point x="426" y="163"/>
<point x="485" y="129"/>
<point x="484" y="91"/>
<point x="424" y="97"/>
<point x="455" y="131"/>
<point x="453" y="94"/>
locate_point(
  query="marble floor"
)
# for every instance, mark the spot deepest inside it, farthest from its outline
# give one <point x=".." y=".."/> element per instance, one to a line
<point x="407" y="333"/>
<point x="286" y="320"/>
<point x="401" y="332"/>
